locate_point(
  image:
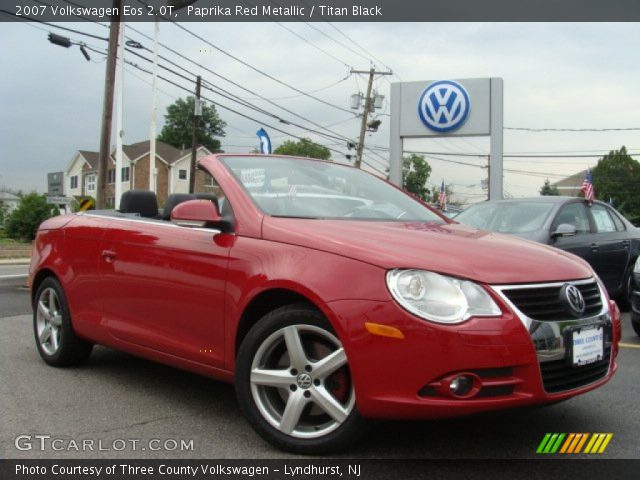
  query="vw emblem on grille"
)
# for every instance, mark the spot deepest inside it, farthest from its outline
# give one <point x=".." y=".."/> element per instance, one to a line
<point x="444" y="106"/>
<point x="572" y="300"/>
<point x="304" y="380"/>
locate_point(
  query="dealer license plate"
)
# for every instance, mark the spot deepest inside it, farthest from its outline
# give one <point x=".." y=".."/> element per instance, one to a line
<point x="588" y="345"/>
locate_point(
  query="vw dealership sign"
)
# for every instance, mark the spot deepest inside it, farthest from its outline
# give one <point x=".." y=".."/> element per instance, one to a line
<point x="444" y="106"/>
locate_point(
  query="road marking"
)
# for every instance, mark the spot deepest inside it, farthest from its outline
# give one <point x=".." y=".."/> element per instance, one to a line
<point x="18" y="275"/>
<point x="628" y="345"/>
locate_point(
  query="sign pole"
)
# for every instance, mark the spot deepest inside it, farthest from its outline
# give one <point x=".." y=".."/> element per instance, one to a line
<point x="496" y="141"/>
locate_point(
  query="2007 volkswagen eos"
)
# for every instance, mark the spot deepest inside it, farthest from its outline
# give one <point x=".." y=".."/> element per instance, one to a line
<point x="328" y="296"/>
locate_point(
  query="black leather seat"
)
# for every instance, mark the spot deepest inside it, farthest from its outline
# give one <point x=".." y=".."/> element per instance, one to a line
<point x="173" y="200"/>
<point x="141" y="202"/>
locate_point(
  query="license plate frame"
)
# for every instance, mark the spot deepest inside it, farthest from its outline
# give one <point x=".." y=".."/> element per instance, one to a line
<point x="586" y="345"/>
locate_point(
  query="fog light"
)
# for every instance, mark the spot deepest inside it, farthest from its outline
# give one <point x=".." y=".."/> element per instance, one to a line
<point x="461" y="385"/>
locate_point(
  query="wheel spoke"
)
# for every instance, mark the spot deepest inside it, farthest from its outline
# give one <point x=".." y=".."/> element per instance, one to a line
<point x="272" y="378"/>
<point x="294" y="347"/>
<point x="54" y="338"/>
<point x="52" y="300"/>
<point x="45" y="335"/>
<point x="329" y="404"/>
<point x="329" y="364"/>
<point x="292" y="412"/>
<point x="44" y="310"/>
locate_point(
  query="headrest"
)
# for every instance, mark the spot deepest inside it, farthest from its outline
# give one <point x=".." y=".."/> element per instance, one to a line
<point x="142" y="202"/>
<point x="173" y="200"/>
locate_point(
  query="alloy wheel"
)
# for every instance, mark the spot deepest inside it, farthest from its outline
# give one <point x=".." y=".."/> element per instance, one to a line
<point x="49" y="321"/>
<point x="300" y="381"/>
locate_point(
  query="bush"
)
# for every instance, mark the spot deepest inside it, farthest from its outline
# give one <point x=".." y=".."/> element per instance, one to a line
<point x="24" y="221"/>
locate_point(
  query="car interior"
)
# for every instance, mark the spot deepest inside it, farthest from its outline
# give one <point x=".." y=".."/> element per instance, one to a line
<point x="143" y="204"/>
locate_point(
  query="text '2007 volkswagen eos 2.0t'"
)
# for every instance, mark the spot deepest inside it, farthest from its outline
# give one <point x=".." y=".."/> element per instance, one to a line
<point x="328" y="296"/>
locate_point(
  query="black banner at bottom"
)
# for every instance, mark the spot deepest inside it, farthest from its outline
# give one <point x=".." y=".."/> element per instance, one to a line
<point x="325" y="469"/>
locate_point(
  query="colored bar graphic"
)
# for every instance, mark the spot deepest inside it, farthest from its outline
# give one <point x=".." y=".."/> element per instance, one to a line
<point x="572" y="443"/>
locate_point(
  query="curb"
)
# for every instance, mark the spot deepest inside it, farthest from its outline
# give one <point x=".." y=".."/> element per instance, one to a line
<point x="15" y="261"/>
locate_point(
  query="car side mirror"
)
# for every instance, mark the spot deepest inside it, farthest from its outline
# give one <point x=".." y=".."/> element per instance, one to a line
<point x="199" y="213"/>
<point x="564" y="230"/>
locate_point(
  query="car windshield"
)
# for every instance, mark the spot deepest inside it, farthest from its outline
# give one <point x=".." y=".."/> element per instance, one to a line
<point x="507" y="217"/>
<point x="296" y="187"/>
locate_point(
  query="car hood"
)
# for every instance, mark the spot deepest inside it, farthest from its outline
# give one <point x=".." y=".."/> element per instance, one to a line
<point x="452" y="249"/>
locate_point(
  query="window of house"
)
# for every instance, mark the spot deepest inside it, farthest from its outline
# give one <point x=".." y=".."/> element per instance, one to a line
<point x="182" y="174"/>
<point x="209" y="181"/>
<point x="111" y="175"/>
<point x="91" y="183"/>
<point x="74" y="181"/>
<point x="125" y="174"/>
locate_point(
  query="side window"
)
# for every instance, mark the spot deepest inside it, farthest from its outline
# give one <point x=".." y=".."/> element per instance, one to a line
<point x="616" y="219"/>
<point x="603" y="220"/>
<point x="574" y="214"/>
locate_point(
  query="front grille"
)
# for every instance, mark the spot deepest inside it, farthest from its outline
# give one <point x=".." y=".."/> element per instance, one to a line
<point x="543" y="302"/>
<point x="559" y="376"/>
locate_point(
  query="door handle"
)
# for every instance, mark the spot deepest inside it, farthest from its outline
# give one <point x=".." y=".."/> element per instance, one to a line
<point x="594" y="247"/>
<point x="626" y="243"/>
<point x="108" y="255"/>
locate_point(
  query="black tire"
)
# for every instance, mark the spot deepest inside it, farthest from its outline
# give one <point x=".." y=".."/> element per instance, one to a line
<point x="635" y="323"/>
<point x="68" y="349"/>
<point x="624" y="298"/>
<point x="267" y="340"/>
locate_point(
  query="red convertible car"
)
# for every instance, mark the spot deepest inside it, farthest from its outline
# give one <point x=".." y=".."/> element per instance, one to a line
<point x="328" y="296"/>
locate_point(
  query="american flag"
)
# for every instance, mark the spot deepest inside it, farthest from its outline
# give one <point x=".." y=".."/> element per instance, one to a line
<point x="587" y="188"/>
<point x="442" y="197"/>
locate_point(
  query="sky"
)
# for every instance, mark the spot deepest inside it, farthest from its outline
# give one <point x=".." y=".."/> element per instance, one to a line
<point x="576" y="76"/>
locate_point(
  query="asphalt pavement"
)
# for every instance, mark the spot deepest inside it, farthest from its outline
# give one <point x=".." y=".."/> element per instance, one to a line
<point x="128" y="407"/>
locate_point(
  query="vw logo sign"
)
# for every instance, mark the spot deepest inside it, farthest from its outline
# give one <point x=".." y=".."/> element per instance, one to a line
<point x="573" y="299"/>
<point x="444" y="106"/>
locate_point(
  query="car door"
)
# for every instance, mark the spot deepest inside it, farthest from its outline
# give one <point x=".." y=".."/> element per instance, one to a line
<point x="574" y="213"/>
<point x="164" y="287"/>
<point x="611" y="248"/>
<point x="82" y="247"/>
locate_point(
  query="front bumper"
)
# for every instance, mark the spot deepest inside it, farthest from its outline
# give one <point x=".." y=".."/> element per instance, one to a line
<point x="408" y="377"/>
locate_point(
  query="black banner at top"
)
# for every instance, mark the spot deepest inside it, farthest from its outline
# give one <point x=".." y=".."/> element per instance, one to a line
<point x="323" y="10"/>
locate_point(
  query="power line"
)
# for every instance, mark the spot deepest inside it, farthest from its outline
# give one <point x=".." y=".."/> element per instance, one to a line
<point x="373" y="57"/>
<point x="333" y="134"/>
<point x="537" y="130"/>
<point x="230" y="96"/>
<point x="248" y="65"/>
<point x="31" y="19"/>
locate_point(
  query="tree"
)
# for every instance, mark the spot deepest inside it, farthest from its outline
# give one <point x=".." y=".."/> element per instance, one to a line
<point x="4" y="209"/>
<point x="616" y="178"/>
<point x="178" y="127"/>
<point x="24" y="221"/>
<point x="548" y="189"/>
<point x="415" y="173"/>
<point x="303" y="148"/>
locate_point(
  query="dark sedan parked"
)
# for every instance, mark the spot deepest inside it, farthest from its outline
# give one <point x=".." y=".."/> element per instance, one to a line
<point x="597" y="233"/>
<point x="635" y="299"/>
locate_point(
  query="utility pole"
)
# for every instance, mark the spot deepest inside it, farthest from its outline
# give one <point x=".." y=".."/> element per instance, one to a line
<point x="154" y="111"/>
<point x="194" y="139"/>
<point x="367" y="110"/>
<point x="107" y="106"/>
<point x="119" y="113"/>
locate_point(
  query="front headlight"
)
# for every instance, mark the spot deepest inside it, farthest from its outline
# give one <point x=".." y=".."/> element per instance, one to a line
<point x="636" y="267"/>
<point x="439" y="298"/>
